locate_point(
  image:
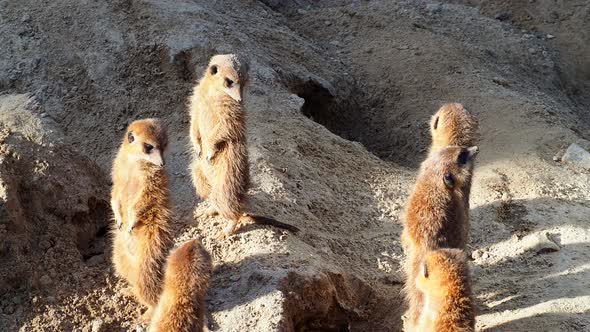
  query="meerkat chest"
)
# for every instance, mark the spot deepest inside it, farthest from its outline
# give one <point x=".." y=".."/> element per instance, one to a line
<point x="208" y="121"/>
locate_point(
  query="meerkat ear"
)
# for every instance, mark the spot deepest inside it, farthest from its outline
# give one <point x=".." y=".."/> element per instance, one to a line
<point x="213" y="69"/>
<point x="130" y="137"/>
<point x="449" y="180"/>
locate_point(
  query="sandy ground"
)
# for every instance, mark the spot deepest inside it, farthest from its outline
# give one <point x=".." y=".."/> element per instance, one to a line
<point x="337" y="125"/>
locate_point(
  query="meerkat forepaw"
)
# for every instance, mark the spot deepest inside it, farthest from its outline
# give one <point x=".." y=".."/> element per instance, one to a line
<point x="210" y="156"/>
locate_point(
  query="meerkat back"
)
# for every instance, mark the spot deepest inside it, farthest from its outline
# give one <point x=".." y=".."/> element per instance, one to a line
<point x="181" y="307"/>
<point x="452" y="124"/>
<point x="444" y="280"/>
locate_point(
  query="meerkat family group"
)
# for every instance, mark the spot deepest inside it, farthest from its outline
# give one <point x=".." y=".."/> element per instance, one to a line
<point x="436" y="228"/>
<point x="172" y="283"/>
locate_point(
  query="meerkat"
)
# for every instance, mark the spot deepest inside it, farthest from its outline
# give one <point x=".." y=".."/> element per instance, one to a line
<point x="141" y="207"/>
<point x="220" y="170"/>
<point x="451" y="125"/>
<point x="436" y="215"/>
<point x="444" y="281"/>
<point x="181" y="306"/>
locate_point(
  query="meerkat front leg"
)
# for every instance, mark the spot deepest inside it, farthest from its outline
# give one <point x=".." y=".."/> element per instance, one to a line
<point x="132" y="214"/>
<point x="216" y="140"/>
<point x="116" y="206"/>
<point x="196" y="136"/>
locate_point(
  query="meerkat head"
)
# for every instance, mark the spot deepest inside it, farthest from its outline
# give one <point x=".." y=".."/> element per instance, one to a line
<point x="452" y="124"/>
<point x="229" y="73"/>
<point x="442" y="271"/>
<point x="451" y="167"/>
<point x="146" y="140"/>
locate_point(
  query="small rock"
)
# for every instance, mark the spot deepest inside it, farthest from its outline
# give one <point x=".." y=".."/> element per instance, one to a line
<point x="532" y="51"/>
<point x="550" y="36"/>
<point x="328" y="23"/>
<point x="26" y="18"/>
<point x="476" y="254"/>
<point x="501" y="81"/>
<point x="121" y="127"/>
<point x="9" y="310"/>
<point x="95" y="260"/>
<point x="434" y="8"/>
<point x="576" y="155"/>
<point x="301" y="11"/>
<point x="505" y="197"/>
<point x="97" y="325"/>
<point x="539" y="243"/>
<point x="556" y="158"/>
<point x="503" y="16"/>
<point x="485" y="255"/>
<point x="335" y="43"/>
<point x="45" y="280"/>
<point x="43" y="115"/>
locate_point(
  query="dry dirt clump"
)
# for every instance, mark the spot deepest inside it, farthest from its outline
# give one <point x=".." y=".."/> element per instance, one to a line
<point x="337" y="118"/>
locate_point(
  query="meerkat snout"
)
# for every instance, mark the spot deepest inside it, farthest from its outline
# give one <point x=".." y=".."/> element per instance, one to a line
<point x="146" y="141"/>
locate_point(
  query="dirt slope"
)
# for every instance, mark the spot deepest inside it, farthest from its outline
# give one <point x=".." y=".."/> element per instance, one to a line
<point x="325" y="74"/>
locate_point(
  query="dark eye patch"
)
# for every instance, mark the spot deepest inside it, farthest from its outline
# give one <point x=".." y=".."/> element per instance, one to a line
<point x="130" y="137"/>
<point x="463" y="157"/>
<point x="435" y="123"/>
<point x="228" y="83"/>
<point x="148" y="148"/>
<point x="449" y="180"/>
<point x="213" y="70"/>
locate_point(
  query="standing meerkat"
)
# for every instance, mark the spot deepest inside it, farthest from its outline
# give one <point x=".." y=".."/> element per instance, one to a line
<point x="436" y="215"/>
<point x="141" y="205"/>
<point x="220" y="169"/>
<point x="444" y="281"/>
<point x="181" y="307"/>
<point x="452" y="124"/>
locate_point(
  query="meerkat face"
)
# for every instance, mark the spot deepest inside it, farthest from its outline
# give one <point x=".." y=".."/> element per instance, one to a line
<point x="439" y="270"/>
<point x="454" y="165"/>
<point x="146" y="140"/>
<point x="230" y="74"/>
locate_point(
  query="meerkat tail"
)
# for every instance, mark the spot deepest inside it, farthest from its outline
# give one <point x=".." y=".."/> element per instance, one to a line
<point x="262" y="220"/>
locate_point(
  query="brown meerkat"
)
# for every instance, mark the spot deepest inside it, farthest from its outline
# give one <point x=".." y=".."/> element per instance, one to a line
<point x="436" y="215"/>
<point x="141" y="205"/>
<point x="444" y="282"/>
<point x="181" y="307"/>
<point x="452" y="124"/>
<point x="220" y="168"/>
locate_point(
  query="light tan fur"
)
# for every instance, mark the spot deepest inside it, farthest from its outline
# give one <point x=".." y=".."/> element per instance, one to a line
<point x="220" y="168"/>
<point x="444" y="281"/>
<point x="452" y="124"/>
<point x="181" y="307"/>
<point x="141" y="205"/>
<point x="436" y="215"/>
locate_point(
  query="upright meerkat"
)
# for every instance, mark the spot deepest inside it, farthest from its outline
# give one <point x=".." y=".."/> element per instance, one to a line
<point x="141" y="205"/>
<point x="436" y="215"/>
<point x="220" y="169"/>
<point x="182" y="303"/>
<point x="452" y="124"/>
<point x="444" y="281"/>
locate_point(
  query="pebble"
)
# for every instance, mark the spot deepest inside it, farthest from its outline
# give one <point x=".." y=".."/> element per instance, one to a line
<point x="95" y="260"/>
<point x="550" y="36"/>
<point x="576" y="155"/>
<point x="45" y="281"/>
<point x="97" y="325"/>
<point x="532" y="51"/>
<point x="476" y="254"/>
<point x="328" y="23"/>
<point x="9" y="310"/>
<point x="26" y="18"/>
<point x="503" y="16"/>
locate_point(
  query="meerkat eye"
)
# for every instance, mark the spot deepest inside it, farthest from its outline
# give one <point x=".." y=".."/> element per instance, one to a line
<point x="449" y="181"/>
<point x="463" y="157"/>
<point x="435" y="123"/>
<point x="148" y="148"/>
<point x="213" y="70"/>
<point x="130" y="137"/>
<point x="228" y="83"/>
<point x="424" y="270"/>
